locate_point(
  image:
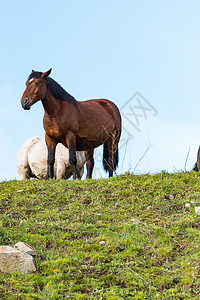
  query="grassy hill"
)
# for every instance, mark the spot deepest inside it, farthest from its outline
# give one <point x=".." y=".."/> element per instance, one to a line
<point x="128" y="237"/>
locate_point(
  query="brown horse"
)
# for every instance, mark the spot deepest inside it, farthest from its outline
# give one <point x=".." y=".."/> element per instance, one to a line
<point x="80" y="126"/>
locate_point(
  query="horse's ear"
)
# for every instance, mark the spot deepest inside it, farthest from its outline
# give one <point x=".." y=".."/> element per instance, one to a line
<point x="33" y="71"/>
<point x="46" y="74"/>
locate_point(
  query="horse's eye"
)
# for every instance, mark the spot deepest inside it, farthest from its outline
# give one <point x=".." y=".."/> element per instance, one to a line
<point x="37" y="83"/>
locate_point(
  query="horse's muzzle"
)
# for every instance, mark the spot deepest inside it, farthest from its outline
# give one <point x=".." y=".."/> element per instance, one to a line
<point x="26" y="104"/>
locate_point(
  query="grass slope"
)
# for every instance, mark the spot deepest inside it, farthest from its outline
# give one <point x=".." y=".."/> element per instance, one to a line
<point x="89" y="246"/>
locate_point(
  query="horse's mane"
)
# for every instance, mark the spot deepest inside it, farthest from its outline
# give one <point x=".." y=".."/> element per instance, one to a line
<point x="55" y="88"/>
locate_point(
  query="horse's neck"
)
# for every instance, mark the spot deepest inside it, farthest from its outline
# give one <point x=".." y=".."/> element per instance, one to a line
<point x="51" y="104"/>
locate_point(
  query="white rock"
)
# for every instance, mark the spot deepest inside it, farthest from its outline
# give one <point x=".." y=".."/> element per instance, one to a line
<point x="12" y="260"/>
<point x="135" y="221"/>
<point x="102" y="242"/>
<point x="197" y="210"/>
<point x="25" y="248"/>
<point x="187" y="205"/>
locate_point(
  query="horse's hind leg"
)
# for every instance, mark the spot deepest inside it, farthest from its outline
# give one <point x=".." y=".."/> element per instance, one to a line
<point x="24" y="172"/>
<point x="81" y="171"/>
<point x="89" y="162"/>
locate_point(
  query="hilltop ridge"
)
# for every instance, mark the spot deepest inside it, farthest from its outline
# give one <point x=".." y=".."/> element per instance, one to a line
<point x="127" y="237"/>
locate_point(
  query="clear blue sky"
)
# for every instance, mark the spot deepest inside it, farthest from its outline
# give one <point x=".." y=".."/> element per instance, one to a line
<point x="110" y="49"/>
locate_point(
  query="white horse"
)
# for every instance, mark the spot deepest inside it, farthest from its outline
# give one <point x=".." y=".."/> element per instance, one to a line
<point x="32" y="160"/>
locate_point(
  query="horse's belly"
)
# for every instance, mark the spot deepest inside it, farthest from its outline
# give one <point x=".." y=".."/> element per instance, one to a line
<point x="85" y="144"/>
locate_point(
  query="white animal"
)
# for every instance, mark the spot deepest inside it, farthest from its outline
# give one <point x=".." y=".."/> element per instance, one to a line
<point x="32" y="160"/>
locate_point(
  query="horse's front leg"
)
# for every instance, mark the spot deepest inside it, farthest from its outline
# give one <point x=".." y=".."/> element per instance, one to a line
<point x="51" y="147"/>
<point x="71" y="143"/>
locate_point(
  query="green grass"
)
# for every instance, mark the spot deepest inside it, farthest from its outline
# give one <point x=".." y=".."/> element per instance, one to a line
<point x="88" y="245"/>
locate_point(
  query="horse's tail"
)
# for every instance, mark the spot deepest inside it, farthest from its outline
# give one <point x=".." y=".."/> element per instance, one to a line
<point x="195" y="168"/>
<point x="197" y="164"/>
<point x="116" y="159"/>
<point x="106" y="159"/>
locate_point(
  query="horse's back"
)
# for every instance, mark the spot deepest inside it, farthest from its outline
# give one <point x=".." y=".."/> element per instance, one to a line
<point x="102" y="108"/>
<point x="98" y="120"/>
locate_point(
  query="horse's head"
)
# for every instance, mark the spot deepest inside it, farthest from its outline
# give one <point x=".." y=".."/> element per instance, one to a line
<point x="36" y="89"/>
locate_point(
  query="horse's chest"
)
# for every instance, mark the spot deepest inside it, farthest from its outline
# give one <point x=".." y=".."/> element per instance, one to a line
<point x="53" y="130"/>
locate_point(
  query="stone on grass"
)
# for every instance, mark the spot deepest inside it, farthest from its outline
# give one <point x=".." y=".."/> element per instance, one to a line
<point x="135" y="221"/>
<point x="25" y="248"/>
<point x="197" y="210"/>
<point x="187" y="205"/>
<point x="102" y="242"/>
<point x="12" y="260"/>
